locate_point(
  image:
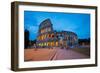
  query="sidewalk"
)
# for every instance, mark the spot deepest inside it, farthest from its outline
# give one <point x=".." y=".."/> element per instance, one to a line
<point x="39" y="54"/>
<point x="63" y="54"/>
<point x="45" y="54"/>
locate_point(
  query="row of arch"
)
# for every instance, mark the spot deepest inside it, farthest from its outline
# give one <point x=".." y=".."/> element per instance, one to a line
<point x="44" y="36"/>
<point x="48" y="44"/>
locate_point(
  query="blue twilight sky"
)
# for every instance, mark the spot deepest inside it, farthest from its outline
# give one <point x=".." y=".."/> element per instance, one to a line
<point x="75" y="22"/>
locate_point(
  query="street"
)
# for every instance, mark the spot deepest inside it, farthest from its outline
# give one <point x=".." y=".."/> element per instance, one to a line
<point x="44" y="54"/>
<point x="63" y="54"/>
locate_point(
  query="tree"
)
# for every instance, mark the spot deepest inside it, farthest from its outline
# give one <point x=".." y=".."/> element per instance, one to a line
<point x="26" y="38"/>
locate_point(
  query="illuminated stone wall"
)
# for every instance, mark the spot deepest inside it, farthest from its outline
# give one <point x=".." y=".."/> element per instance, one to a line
<point x="47" y="37"/>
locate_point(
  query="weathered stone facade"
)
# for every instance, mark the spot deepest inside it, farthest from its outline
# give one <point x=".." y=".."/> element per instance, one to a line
<point x="48" y="37"/>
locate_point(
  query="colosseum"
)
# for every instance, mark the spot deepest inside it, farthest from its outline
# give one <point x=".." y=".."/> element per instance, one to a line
<point x="48" y="37"/>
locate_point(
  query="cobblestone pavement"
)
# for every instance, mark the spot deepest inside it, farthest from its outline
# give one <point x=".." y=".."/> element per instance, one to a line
<point x="39" y="54"/>
<point x="51" y="54"/>
<point x="63" y="54"/>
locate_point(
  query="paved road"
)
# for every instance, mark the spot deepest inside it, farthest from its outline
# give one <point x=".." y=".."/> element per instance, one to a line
<point x="63" y="54"/>
<point x="39" y="55"/>
<point x="51" y="54"/>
